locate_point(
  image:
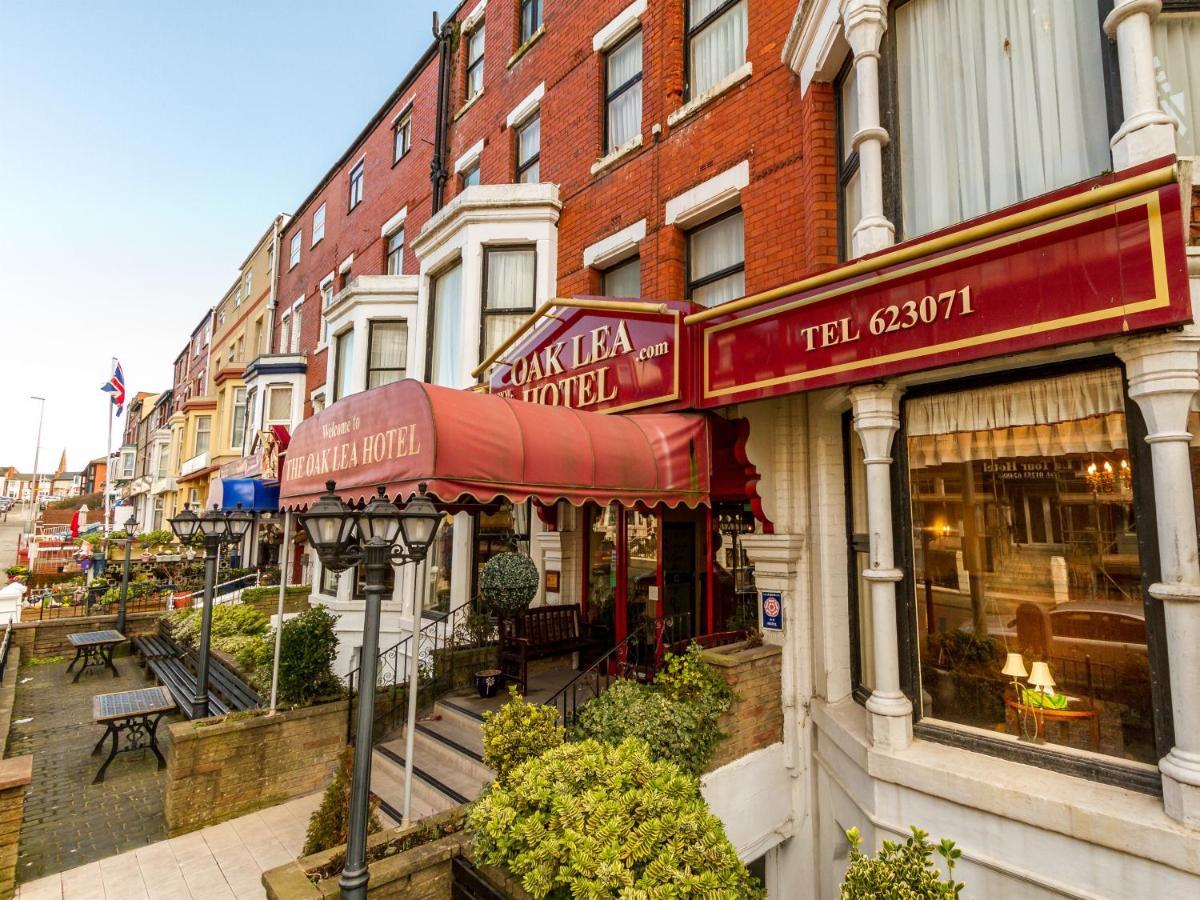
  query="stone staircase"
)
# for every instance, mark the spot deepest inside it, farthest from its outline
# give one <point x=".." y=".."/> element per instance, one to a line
<point x="448" y="769"/>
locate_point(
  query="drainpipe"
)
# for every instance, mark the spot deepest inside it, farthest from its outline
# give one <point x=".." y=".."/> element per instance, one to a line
<point x="444" y="35"/>
<point x="273" y="299"/>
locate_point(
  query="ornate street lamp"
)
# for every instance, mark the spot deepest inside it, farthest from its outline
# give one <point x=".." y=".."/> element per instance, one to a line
<point x="379" y="536"/>
<point x="216" y="528"/>
<point x="130" y="527"/>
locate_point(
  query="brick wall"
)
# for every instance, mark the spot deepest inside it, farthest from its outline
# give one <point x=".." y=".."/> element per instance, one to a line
<point x="229" y="768"/>
<point x="15" y="775"/>
<point x="756" y="718"/>
<point x="49" y="638"/>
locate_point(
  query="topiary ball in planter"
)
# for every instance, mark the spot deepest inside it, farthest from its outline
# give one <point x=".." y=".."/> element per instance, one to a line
<point x="508" y="582"/>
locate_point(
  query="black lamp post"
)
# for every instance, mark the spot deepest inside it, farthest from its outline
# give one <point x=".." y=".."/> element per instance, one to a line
<point x="130" y="526"/>
<point x="216" y="528"/>
<point x="379" y="536"/>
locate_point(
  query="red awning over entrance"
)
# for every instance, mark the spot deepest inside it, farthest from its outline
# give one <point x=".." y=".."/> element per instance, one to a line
<point x="477" y="447"/>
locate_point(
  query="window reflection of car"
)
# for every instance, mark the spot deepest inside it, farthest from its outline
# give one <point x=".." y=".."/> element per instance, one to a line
<point x="1104" y="630"/>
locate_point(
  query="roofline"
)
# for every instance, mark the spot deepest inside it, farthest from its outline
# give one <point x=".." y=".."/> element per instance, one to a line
<point x="395" y="95"/>
<point x="268" y="233"/>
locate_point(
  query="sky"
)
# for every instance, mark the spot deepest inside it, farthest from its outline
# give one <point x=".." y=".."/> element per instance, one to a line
<point x="144" y="148"/>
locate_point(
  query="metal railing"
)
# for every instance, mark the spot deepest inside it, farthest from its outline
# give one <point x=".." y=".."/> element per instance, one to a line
<point x="436" y="669"/>
<point x="4" y="645"/>
<point x="225" y="592"/>
<point x="637" y="656"/>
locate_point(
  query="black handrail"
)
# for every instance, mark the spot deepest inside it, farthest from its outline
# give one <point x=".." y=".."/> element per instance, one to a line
<point x="392" y="667"/>
<point x="628" y="659"/>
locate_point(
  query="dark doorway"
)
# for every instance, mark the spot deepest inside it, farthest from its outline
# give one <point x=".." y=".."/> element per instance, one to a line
<point x="681" y="594"/>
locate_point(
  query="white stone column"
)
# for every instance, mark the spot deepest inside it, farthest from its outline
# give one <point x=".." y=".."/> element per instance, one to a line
<point x="1164" y="375"/>
<point x="864" y="22"/>
<point x="1147" y="132"/>
<point x="877" y="419"/>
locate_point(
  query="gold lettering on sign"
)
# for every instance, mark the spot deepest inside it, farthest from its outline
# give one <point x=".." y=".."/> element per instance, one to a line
<point x="382" y="446"/>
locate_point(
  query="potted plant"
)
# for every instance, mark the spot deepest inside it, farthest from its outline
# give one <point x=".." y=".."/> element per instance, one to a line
<point x="508" y="584"/>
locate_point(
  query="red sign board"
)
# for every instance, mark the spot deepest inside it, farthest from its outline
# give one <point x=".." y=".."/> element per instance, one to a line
<point x="608" y="360"/>
<point x="1099" y="271"/>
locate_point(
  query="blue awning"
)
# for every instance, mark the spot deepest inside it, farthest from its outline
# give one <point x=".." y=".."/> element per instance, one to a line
<point x="253" y="493"/>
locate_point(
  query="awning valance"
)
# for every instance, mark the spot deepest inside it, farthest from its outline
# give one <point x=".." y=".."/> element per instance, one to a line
<point x="469" y="446"/>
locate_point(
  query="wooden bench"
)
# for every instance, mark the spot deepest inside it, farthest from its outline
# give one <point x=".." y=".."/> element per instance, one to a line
<point x="177" y="670"/>
<point x="540" y="633"/>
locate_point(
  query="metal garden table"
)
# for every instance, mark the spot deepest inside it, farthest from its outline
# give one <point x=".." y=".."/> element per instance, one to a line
<point x="136" y="714"/>
<point x="95" y="648"/>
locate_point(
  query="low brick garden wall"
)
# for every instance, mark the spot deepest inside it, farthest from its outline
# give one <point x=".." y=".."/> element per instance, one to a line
<point x="49" y="637"/>
<point x="756" y="718"/>
<point x="221" y="768"/>
<point x="15" y="776"/>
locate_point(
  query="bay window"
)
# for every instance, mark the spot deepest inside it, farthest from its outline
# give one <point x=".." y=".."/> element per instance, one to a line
<point x="439" y="567"/>
<point x="716" y="268"/>
<point x="445" y="362"/>
<point x="716" y="42"/>
<point x="624" y="279"/>
<point x="343" y="361"/>
<point x="508" y="293"/>
<point x="529" y="151"/>
<point x="623" y="93"/>
<point x="203" y="435"/>
<point x="279" y="405"/>
<point x="995" y="103"/>
<point x="1177" y="73"/>
<point x="850" y="199"/>
<point x="387" y="352"/>
<point x="237" y="430"/>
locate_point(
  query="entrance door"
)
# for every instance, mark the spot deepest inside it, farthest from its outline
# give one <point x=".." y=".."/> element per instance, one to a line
<point x="681" y="594"/>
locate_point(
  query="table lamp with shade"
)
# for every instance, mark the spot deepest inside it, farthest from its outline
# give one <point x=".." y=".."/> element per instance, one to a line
<point x="1014" y="668"/>
<point x="1040" y="678"/>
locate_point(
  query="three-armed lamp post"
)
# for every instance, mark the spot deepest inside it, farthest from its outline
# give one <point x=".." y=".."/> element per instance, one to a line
<point x="130" y="528"/>
<point x="216" y="528"/>
<point x="379" y="536"/>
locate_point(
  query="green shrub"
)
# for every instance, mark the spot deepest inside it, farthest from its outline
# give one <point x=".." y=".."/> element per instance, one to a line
<point x="517" y="732"/>
<point x="589" y="820"/>
<point x="155" y="538"/>
<point x="308" y="647"/>
<point x="676" y="715"/>
<point x="900" y="870"/>
<point x="17" y="571"/>
<point x="328" y="825"/>
<point x="291" y="592"/>
<point x="229" y="620"/>
<point x="508" y="582"/>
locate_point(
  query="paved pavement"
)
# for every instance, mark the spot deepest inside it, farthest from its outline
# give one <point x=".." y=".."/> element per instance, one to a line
<point x="10" y="529"/>
<point x="68" y="820"/>
<point x="220" y="862"/>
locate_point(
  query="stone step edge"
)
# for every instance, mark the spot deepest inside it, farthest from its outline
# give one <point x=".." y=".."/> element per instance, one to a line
<point x="430" y="780"/>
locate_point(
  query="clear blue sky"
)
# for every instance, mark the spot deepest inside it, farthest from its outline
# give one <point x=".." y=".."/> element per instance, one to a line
<point x="144" y="147"/>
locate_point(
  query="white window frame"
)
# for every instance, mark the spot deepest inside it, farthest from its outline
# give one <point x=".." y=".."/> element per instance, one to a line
<point x="294" y="249"/>
<point x="318" y="225"/>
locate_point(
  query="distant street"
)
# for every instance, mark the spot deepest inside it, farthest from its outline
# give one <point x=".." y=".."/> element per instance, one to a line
<point x="10" y="529"/>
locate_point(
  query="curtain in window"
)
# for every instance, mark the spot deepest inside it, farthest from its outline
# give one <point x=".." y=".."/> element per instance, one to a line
<point x="625" y="110"/>
<point x="530" y="140"/>
<point x="1177" y="72"/>
<point x="279" y="404"/>
<point x="624" y="280"/>
<point x="510" y="275"/>
<point x="998" y="102"/>
<point x="388" y="354"/>
<point x="720" y="48"/>
<point x="395" y="253"/>
<point x="715" y="248"/>
<point x="445" y="351"/>
<point x="345" y="360"/>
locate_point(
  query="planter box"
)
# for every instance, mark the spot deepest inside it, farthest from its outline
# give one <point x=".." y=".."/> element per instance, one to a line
<point x="756" y="718"/>
<point x="420" y="873"/>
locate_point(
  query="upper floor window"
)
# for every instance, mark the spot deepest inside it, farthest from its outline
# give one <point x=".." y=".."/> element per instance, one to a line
<point x="279" y="405"/>
<point x="470" y="175"/>
<point x="531" y="19"/>
<point x="294" y="256"/>
<point x="508" y="293"/>
<point x="716" y="42"/>
<point x="237" y="298"/>
<point x="344" y="351"/>
<point x="529" y="151"/>
<point x="128" y="461"/>
<point x="475" y="61"/>
<point x="237" y="429"/>
<point x="624" y="279"/>
<point x="203" y="434"/>
<point x="395" y="252"/>
<point x="387" y="352"/>
<point x="402" y="138"/>
<point x="249" y="282"/>
<point x="1177" y="73"/>
<point x="326" y="302"/>
<point x="294" y="345"/>
<point x="356" y="184"/>
<point x="318" y="228"/>
<point x="623" y="93"/>
<point x="717" y="260"/>
<point x="995" y="105"/>
<point x="850" y="201"/>
<point x="285" y="333"/>
<point x="444" y="359"/>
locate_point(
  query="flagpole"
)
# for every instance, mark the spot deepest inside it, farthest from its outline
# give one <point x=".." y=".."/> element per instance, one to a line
<point x="108" y="465"/>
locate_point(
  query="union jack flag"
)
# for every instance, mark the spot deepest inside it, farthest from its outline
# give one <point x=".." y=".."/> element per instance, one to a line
<point x="116" y="387"/>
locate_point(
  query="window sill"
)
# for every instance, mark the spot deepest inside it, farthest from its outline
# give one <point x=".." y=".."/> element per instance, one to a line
<point x="317" y="241"/>
<point x="401" y="158"/>
<point x="524" y="48"/>
<point x="463" y="111"/>
<point x="616" y="156"/>
<point x="730" y="81"/>
<point x="1122" y="820"/>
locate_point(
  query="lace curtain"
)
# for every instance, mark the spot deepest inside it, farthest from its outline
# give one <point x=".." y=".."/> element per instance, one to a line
<point x="1177" y="73"/>
<point x="1024" y="112"/>
<point x="388" y="354"/>
<point x="510" y="275"/>
<point x="624" y="110"/>
<point x="714" y="248"/>
<point x="445" y="352"/>
<point x="720" y="48"/>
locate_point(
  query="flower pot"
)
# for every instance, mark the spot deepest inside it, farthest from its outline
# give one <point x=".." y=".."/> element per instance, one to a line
<point x="487" y="682"/>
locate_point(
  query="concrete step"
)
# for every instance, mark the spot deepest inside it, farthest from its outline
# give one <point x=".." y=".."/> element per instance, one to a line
<point x="457" y="715"/>
<point x="438" y="769"/>
<point x="455" y="728"/>
<point x="387" y="783"/>
<point x="435" y="752"/>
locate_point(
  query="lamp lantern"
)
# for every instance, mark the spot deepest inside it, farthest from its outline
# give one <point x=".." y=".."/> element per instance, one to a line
<point x="381" y="519"/>
<point x="239" y="520"/>
<point x="185" y="525"/>
<point x="329" y="526"/>
<point x="213" y="524"/>
<point x="419" y="521"/>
